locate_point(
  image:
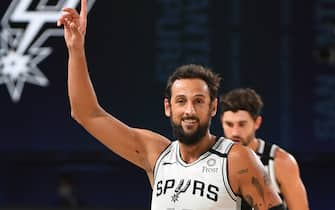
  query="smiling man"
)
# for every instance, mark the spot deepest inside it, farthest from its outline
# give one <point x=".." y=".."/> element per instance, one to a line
<point x="196" y="171"/>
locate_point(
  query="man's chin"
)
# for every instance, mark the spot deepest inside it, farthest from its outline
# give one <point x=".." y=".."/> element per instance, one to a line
<point x="189" y="127"/>
<point x="190" y="130"/>
<point x="189" y="134"/>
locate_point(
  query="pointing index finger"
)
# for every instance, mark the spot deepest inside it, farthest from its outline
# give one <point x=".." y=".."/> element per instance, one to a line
<point x="83" y="9"/>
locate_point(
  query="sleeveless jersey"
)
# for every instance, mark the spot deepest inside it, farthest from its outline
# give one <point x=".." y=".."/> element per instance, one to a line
<point x="201" y="185"/>
<point x="266" y="153"/>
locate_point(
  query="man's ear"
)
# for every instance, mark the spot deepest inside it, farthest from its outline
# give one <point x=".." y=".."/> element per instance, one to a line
<point x="167" y="107"/>
<point x="214" y="107"/>
<point x="258" y="122"/>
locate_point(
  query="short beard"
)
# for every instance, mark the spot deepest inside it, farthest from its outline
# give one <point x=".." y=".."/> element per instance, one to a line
<point x="189" y="139"/>
<point x="248" y="140"/>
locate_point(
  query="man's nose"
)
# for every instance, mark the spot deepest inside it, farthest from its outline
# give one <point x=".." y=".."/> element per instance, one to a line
<point x="235" y="131"/>
<point x="190" y="108"/>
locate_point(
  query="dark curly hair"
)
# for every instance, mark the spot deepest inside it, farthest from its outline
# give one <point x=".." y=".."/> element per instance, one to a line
<point x="194" y="71"/>
<point x="241" y="99"/>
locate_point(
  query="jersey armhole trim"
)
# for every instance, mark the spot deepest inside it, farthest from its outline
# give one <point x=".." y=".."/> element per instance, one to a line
<point x="160" y="157"/>
<point x="226" y="175"/>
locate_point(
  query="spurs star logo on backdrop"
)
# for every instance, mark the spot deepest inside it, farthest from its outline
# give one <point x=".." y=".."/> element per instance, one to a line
<point x="21" y="47"/>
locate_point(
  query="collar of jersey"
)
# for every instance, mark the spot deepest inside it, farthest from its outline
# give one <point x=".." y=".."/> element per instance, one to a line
<point x="203" y="156"/>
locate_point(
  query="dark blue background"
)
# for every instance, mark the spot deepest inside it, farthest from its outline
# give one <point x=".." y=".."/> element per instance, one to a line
<point x="39" y="140"/>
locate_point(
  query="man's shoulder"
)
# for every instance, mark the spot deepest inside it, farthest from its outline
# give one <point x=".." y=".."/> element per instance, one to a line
<point x="279" y="153"/>
<point x="284" y="158"/>
<point x="238" y="152"/>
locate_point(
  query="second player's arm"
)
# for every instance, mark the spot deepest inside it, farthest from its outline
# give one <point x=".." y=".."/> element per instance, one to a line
<point x="292" y="186"/>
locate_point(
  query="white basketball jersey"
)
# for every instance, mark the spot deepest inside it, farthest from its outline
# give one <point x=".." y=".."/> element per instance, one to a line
<point x="201" y="185"/>
<point x="268" y="150"/>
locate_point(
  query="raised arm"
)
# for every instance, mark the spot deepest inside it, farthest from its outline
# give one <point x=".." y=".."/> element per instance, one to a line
<point x="249" y="179"/>
<point x="291" y="186"/>
<point x="140" y="147"/>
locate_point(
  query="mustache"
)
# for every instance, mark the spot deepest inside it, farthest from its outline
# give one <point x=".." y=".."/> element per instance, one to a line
<point x="190" y="118"/>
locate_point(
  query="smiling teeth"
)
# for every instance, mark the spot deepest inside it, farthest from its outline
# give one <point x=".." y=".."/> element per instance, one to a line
<point x="190" y="121"/>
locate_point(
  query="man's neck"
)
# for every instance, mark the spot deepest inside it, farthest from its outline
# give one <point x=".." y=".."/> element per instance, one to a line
<point x="254" y="144"/>
<point x="191" y="153"/>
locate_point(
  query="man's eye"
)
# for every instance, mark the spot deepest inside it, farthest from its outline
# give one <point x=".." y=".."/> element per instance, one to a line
<point x="242" y="125"/>
<point x="180" y="101"/>
<point x="229" y="125"/>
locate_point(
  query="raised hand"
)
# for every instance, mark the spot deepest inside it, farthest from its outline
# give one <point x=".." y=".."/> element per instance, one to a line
<point x="74" y="25"/>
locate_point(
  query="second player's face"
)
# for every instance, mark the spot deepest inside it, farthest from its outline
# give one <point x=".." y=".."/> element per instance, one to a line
<point x="239" y="126"/>
<point x="190" y="109"/>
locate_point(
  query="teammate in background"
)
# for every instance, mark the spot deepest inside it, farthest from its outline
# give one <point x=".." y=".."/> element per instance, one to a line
<point x="199" y="170"/>
<point x="240" y="118"/>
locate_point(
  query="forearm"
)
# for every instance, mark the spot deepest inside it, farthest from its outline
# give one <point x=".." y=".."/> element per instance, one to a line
<point x="82" y="97"/>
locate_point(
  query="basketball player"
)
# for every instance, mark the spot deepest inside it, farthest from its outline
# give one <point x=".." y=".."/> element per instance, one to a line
<point x="240" y="118"/>
<point x="199" y="170"/>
